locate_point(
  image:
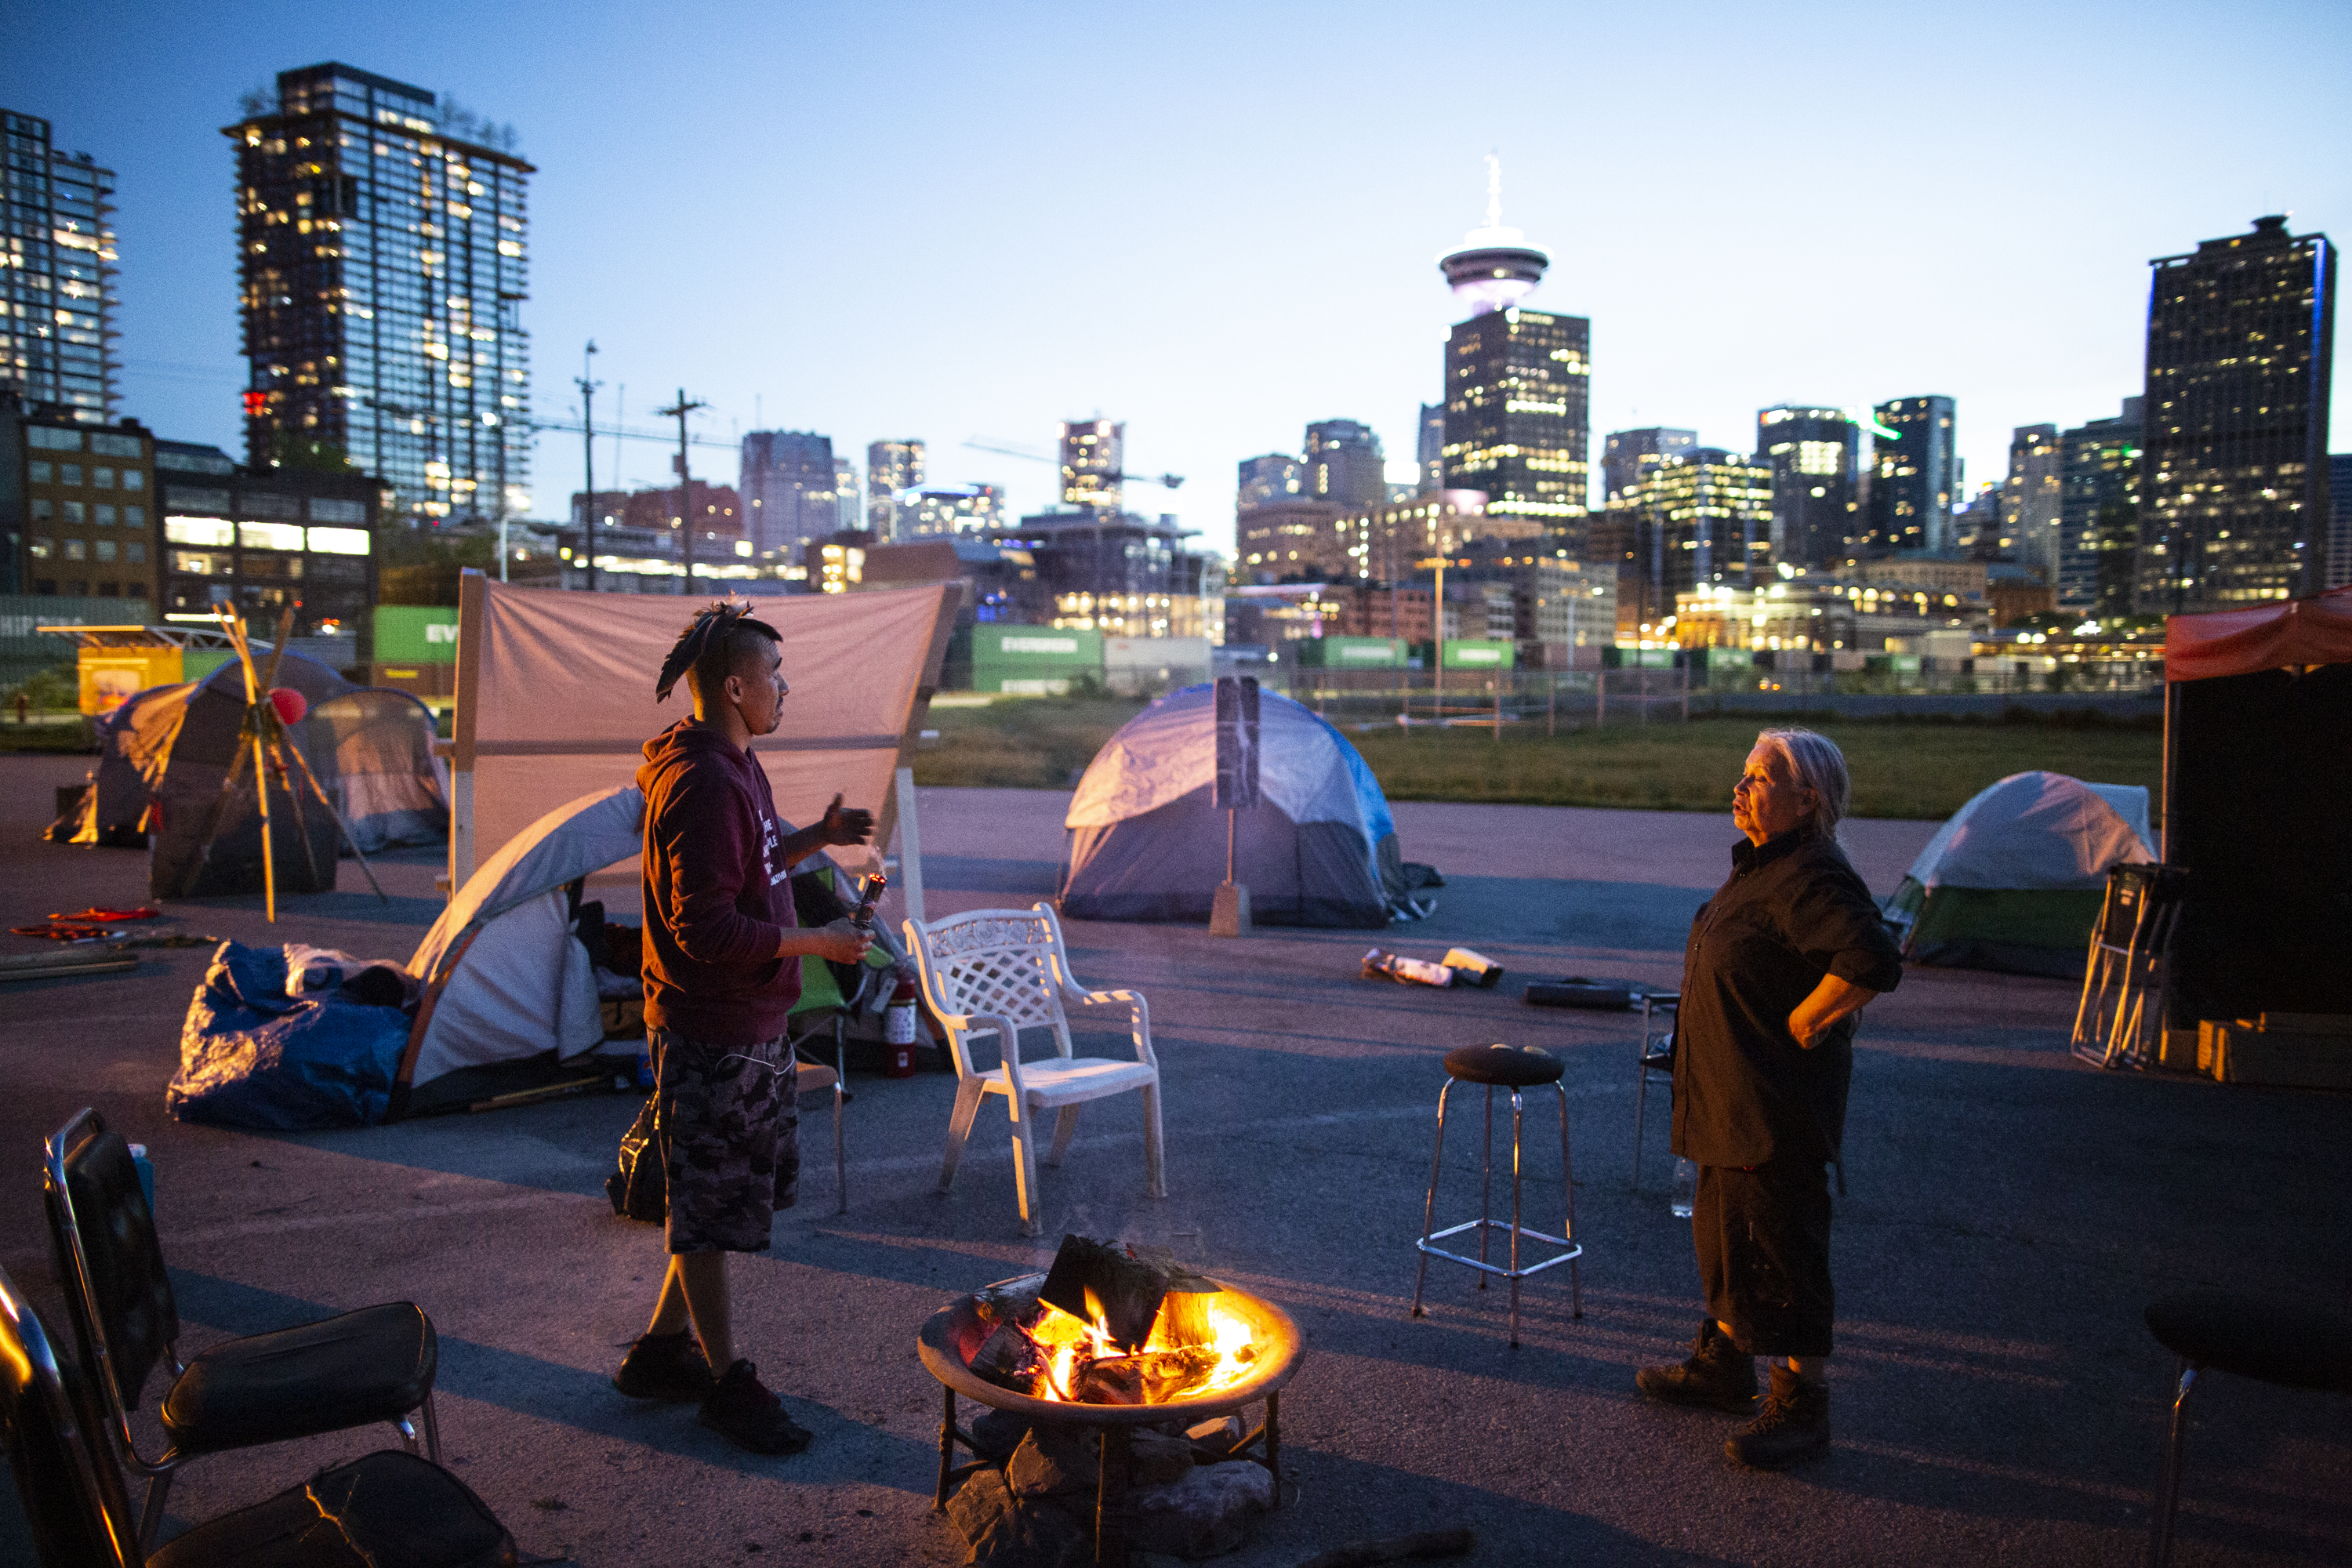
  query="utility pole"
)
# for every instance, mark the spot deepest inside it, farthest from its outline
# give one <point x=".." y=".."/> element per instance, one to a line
<point x="588" y="448"/>
<point x="680" y="409"/>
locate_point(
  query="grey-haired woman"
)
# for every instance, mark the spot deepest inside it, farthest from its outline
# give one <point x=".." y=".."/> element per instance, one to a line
<point x="1779" y="963"/>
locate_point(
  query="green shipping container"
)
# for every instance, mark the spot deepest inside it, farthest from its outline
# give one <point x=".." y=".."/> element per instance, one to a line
<point x="415" y="634"/>
<point x="1348" y="653"/>
<point x="1478" y="653"/>
<point x="1637" y="659"/>
<point x="1033" y="659"/>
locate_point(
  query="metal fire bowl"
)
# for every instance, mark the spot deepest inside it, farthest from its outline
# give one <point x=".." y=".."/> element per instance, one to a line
<point x="954" y="1334"/>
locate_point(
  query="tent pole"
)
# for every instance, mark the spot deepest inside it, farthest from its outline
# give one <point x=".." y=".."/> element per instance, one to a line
<point x="301" y="819"/>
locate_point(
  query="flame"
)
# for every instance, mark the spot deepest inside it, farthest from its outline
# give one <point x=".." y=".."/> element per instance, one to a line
<point x="1062" y="1337"/>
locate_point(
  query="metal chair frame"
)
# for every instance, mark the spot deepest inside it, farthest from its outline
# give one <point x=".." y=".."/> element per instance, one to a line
<point x="2112" y="1019"/>
<point x="1654" y="1057"/>
<point x="159" y="1470"/>
<point x="1482" y="1225"/>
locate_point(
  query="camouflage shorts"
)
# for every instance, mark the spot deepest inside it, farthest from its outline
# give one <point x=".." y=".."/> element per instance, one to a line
<point x="729" y="1120"/>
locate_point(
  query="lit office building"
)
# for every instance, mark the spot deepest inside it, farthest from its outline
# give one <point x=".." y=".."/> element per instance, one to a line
<point x="1701" y="517"/>
<point x="934" y="512"/>
<point x="1428" y="450"/>
<point x="1916" y="478"/>
<point x="1296" y="540"/>
<point x="2339" y="517"/>
<point x="1815" y="456"/>
<point x="848" y="497"/>
<point x="1123" y="576"/>
<point x="1093" y="457"/>
<point x="2098" y="523"/>
<point x="786" y="481"/>
<point x="77" y="506"/>
<point x="890" y="467"/>
<point x="381" y="262"/>
<point x="1343" y="464"/>
<point x="1627" y="456"/>
<point x="264" y="539"/>
<point x="1516" y="420"/>
<point x="57" y="274"/>
<point x="1264" y="480"/>
<point x="2236" y="507"/>
<point x="2031" y="498"/>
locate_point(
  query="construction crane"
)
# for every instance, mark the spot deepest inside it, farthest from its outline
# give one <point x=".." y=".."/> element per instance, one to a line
<point x="1014" y="449"/>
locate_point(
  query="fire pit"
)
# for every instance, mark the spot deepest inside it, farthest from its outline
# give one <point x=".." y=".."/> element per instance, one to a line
<point x="1150" y="1345"/>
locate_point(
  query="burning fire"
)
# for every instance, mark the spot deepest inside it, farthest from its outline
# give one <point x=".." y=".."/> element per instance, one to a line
<point x="1196" y="1348"/>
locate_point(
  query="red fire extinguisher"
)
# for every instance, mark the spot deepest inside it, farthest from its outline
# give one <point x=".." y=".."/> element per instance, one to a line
<point x="899" y="1029"/>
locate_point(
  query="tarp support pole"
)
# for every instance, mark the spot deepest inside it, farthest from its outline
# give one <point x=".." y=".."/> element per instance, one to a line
<point x="910" y="847"/>
<point x="471" y="586"/>
<point x="2164" y="784"/>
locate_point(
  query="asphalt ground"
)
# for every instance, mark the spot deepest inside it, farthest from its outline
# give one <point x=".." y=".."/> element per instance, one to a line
<point x="1996" y="1395"/>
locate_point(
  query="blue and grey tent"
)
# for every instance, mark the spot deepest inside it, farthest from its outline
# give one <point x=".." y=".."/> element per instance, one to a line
<point x="1146" y="842"/>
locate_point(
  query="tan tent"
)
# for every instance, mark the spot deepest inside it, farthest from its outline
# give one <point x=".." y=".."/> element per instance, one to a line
<point x="556" y="699"/>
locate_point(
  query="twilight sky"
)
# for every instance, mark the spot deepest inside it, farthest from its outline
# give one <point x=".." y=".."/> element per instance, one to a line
<point x="1218" y="221"/>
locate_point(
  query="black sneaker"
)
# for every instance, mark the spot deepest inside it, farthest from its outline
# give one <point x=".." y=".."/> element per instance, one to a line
<point x="1793" y="1426"/>
<point x="1718" y="1376"/>
<point x="665" y="1367"/>
<point x="749" y="1416"/>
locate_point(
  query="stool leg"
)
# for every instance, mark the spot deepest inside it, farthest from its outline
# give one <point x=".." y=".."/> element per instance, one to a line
<point x="1568" y="1186"/>
<point x="946" y="1454"/>
<point x="2168" y="1487"/>
<point x="1515" y="1219"/>
<point x="1487" y="1186"/>
<point x="1641" y="1090"/>
<point x="1429" y="1205"/>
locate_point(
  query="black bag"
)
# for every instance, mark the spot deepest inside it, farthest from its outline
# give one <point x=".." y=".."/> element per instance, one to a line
<point x="637" y="1188"/>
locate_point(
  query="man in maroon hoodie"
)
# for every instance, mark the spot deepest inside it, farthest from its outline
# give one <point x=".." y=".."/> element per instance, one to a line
<point x="722" y="971"/>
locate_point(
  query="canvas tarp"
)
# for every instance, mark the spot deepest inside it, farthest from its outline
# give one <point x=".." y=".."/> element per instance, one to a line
<point x="2013" y="880"/>
<point x="556" y="699"/>
<point x="2292" y="632"/>
<point x="506" y="980"/>
<point x="1146" y="842"/>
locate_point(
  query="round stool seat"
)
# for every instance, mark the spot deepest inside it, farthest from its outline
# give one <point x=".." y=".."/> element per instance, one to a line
<point x="1503" y="1064"/>
<point x="2270" y="1340"/>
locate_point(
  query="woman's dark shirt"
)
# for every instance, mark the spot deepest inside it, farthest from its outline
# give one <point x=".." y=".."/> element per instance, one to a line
<point x="1792" y="911"/>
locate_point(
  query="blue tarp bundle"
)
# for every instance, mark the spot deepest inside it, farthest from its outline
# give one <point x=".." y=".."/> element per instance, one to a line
<point x="253" y="1057"/>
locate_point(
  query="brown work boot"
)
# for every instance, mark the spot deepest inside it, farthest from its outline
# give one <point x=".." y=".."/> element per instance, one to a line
<point x="1719" y="1374"/>
<point x="1793" y="1426"/>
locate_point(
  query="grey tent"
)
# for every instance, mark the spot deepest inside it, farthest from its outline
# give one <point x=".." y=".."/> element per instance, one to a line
<point x="164" y="752"/>
<point x="1148" y="844"/>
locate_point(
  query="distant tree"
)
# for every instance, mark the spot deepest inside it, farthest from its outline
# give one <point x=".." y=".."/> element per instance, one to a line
<point x="291" y="449"/>
<point x="422" y="567"/>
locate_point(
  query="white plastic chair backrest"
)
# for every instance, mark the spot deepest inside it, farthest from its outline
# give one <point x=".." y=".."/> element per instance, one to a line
<point x="1007" y="963"/>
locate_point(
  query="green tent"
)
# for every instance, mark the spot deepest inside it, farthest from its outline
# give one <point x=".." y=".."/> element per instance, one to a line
<point x="2013" y="880"/>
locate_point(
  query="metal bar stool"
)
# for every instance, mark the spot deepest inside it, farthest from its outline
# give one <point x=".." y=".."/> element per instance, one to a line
<point x="1515" y="1070"/>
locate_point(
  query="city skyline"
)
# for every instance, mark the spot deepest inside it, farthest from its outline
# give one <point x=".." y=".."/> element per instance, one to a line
<point x="1851" y="304"/>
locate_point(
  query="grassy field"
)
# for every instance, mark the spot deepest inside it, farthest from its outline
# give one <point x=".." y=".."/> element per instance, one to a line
<point x="1901" y="768"/>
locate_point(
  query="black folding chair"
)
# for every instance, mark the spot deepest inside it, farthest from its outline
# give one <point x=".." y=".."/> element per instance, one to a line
<point x="388" y="1507"/>
<point x="375" y="1364"/>
<point x="1656" y="1057"/>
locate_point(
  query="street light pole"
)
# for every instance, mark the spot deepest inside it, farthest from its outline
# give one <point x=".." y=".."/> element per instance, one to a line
<point x="681" y="408"/>
<point x="588" y="449"/>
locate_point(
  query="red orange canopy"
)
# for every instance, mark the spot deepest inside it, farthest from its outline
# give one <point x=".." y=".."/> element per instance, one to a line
<point x="2317" y="630"/>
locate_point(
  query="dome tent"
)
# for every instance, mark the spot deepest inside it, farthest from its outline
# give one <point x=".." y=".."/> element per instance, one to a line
<point x="1148" y="844"/>
<point x="506" y="984"/>
<point x="2013" y="880"/>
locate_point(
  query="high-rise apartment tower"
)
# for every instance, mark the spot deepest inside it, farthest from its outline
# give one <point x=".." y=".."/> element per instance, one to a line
<point x="786" y="481"/>
<point x="1917" y="479"/>
<point x="1516" y="420"/>
<point x="2099" y="513"/>
<point x="1815" y="456"/>
<point x="381" y="258"/>
<point x="891" y="468"/>
<point x="1343" y="464"/>
<point x="57" y="278"/>
<point x="2235" y="505"/>
<point x="1093" y="454"/>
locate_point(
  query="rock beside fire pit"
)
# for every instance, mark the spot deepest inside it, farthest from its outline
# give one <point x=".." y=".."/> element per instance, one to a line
<point x="1210" y="1511"/>
<point x="1038" y="1511"/>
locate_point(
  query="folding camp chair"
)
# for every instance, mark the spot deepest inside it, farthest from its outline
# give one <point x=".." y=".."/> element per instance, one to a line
<point x="387" y="1506"/>
<point x="353" y="1370"/>
<point x="1660" y="1010"/>
<point x="820" y="1010"/>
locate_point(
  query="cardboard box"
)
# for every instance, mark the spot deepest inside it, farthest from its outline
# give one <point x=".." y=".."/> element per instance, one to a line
<point x="2176" y="1050"/>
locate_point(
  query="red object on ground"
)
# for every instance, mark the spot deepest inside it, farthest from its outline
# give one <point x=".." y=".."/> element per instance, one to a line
<point x="2313" y="630"/>
<point x="291" y="704"/>
<point x="142" y="913"/>
<point x="63" y="930"/>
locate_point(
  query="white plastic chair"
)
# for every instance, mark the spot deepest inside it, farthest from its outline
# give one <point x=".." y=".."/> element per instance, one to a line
<point x="998" y="972"/>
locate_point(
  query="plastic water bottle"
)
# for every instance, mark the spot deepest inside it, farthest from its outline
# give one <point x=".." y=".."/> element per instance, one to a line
<point x="1686" y="1197"/>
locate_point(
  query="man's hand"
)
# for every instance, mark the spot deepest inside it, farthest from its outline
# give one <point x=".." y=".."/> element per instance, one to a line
<point x="852" y="826"/>
<point x="840" y="942"/>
